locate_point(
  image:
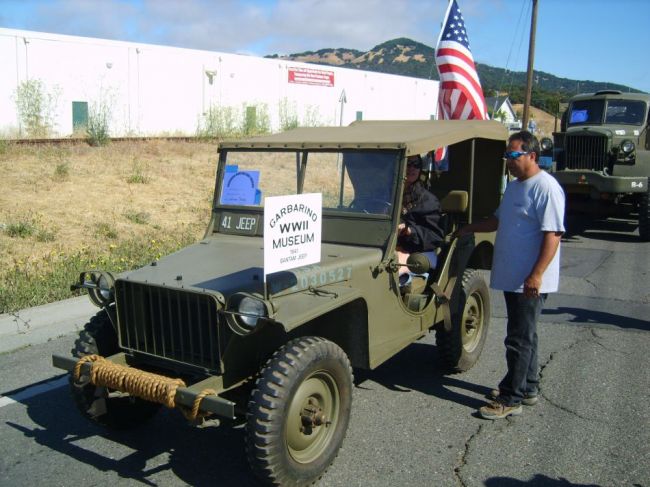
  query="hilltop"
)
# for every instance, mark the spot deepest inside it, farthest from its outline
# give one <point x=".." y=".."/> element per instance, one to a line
<point x="407" y="57"/>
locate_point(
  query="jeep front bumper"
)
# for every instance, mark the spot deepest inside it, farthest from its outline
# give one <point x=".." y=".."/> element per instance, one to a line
<point x="582" y="181"/>
<point x="185" y="397"/>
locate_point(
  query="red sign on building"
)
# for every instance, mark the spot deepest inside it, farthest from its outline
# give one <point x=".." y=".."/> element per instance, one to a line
<point x="308" y="76"/>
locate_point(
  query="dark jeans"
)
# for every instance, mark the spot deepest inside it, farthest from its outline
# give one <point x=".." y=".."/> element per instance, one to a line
<point x="522" y="377"/>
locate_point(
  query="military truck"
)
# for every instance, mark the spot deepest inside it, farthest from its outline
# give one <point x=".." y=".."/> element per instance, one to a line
<point x="204" y="331"/>
<point x="603" y="150"/>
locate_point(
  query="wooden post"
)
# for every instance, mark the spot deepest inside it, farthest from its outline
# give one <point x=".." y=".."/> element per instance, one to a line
<point x="531" y="63"/>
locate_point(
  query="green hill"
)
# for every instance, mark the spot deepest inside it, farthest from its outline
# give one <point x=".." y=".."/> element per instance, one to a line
<point x="407" y="57"/>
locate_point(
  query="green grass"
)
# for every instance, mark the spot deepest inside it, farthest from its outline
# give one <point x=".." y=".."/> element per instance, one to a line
<point x="28" y="227"/>
<point x="20" y="229"/>
<point x="138" y="173"/>
<point x="62" y="171"/>
<point x="27" y="284"/>
<point x="139" y="217"/>
<point x="105" y="230"/>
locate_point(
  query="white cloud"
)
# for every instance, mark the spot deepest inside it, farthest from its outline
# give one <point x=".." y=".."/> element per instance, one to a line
<point x="262" y="27"/>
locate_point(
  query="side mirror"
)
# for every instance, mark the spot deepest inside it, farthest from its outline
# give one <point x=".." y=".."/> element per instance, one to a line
<point x="420" y="262"/>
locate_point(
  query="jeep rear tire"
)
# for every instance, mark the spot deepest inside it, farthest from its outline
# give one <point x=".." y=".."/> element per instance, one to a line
<point x="644" y="215"/>
<point x="96" y="403"/>
<point x="461" y="347"/>
<point x="299" y="411"/>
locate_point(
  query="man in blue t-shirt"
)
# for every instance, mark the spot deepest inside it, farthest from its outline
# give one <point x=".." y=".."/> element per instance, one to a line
<point x="526" y="267"/>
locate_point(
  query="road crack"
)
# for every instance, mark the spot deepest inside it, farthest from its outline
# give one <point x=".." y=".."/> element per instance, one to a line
<point x="592" y="284"/>
<point x="463" y="458"/>
<point x="565" y="409"/>
<point x="20" y="322"/>
<point x="591" y="336"/>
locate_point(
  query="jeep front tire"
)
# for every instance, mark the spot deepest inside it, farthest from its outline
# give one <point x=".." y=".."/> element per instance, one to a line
<point x="299" y="411"/>
<point x="99" y="404"/>
<point x="461" y="347"/>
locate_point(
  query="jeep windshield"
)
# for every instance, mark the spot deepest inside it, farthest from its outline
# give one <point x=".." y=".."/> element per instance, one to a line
<point x="361" y="182"/>
<point x="598" y="112"/>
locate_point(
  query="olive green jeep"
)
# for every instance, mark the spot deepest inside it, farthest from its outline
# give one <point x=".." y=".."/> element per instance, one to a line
<point x="206" y="330"/>
<point x="603" y="150"/>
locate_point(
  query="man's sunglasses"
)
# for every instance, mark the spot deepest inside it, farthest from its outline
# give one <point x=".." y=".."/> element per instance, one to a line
<point x="514" y="154"/>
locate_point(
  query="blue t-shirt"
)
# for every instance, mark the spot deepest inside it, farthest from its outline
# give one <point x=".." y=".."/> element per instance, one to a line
<point x="528" y="209"/>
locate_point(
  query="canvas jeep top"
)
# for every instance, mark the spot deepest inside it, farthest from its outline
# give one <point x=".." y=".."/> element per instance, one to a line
<point x="207" y="330"/>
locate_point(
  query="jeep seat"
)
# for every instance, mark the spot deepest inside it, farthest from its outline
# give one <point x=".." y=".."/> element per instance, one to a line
<point x="452" y="205"/>
<point x="422" y="264"/>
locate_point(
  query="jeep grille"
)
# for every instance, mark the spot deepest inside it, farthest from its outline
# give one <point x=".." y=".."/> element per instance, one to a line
<point x="173" y="324"/>
<point x="586" y="152"/>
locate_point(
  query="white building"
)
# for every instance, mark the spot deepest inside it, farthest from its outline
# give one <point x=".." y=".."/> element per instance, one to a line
<point x="155" y="90"/>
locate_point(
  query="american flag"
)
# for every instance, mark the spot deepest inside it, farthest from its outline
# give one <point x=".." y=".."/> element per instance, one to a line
<point x="461" y="95"/>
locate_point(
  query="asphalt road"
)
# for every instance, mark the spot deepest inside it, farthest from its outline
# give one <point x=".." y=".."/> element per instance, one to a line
<point x="410" y="424"/>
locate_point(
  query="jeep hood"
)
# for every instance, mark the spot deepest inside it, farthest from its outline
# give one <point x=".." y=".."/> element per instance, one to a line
<point x="228" y="264"/>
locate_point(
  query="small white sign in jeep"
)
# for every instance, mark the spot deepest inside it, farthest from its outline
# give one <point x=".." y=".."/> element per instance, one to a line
<point x="292" y="231"/>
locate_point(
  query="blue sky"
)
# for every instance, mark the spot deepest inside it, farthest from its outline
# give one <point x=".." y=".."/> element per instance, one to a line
<point x="599" y="40"/>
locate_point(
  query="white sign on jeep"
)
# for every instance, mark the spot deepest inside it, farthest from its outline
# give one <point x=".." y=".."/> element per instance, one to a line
<point x="292" y="231"/>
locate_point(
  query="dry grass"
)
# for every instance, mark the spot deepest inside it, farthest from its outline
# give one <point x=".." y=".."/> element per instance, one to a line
<point x="64" y="209"/>
<point x="545" y="121"/>
<point x="76" y="200"/>
<point x="84" y="195"/>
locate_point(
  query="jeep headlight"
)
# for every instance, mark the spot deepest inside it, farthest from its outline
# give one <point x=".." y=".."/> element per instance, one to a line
<point x="244" y="312"/>
<point x="546" y="144"/>
<point x="100" y="286"/>
<point x="627" y="147"/>
<point x="251" y="310"/>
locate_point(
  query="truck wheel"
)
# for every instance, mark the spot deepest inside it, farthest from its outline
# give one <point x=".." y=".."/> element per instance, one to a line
<point x="299" y="412"/>
<point x="461" y="347"/>
<point x="644" y="215"/>
<point x="96" y="403"/>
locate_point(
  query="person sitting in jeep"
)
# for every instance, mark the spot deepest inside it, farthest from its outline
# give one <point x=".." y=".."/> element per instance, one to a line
<point x="418" y="229"/>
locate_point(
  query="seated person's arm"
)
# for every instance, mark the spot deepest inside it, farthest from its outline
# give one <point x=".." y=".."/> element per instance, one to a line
<point x="421" y="231"/>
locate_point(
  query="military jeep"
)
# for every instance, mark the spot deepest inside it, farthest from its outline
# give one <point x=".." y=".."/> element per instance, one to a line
<point x="204" y="331"/>
<point x="602" y="151"/>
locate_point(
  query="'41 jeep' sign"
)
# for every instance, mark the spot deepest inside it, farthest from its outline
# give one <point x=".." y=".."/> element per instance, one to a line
<point x="292" y="231"/>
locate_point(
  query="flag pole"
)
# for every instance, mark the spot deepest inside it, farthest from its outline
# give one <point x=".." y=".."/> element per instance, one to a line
<point x="442" y="25"/>
<point x="531" y="62"/>
<point x="442" y="29"/>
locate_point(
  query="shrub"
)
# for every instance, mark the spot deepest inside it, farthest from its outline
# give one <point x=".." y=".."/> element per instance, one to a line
<point x="311" y="117"/>
<point x="256" y="119"/>
<point x="287" y="115"/>
<point x="99" y="117"/>
<point x="35" y="106"/>
<point x="218" y="121"/>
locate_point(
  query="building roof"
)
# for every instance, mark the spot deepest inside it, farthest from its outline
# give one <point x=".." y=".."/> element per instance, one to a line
<point x="493" y="103"/>
<point x="415" y="136"/>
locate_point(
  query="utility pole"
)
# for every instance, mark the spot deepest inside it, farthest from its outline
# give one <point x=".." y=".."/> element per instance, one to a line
<point x="531" y="63"/>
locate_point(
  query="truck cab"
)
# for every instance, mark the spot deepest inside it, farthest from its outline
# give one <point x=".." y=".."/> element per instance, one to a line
<point x="603" y="150"/>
